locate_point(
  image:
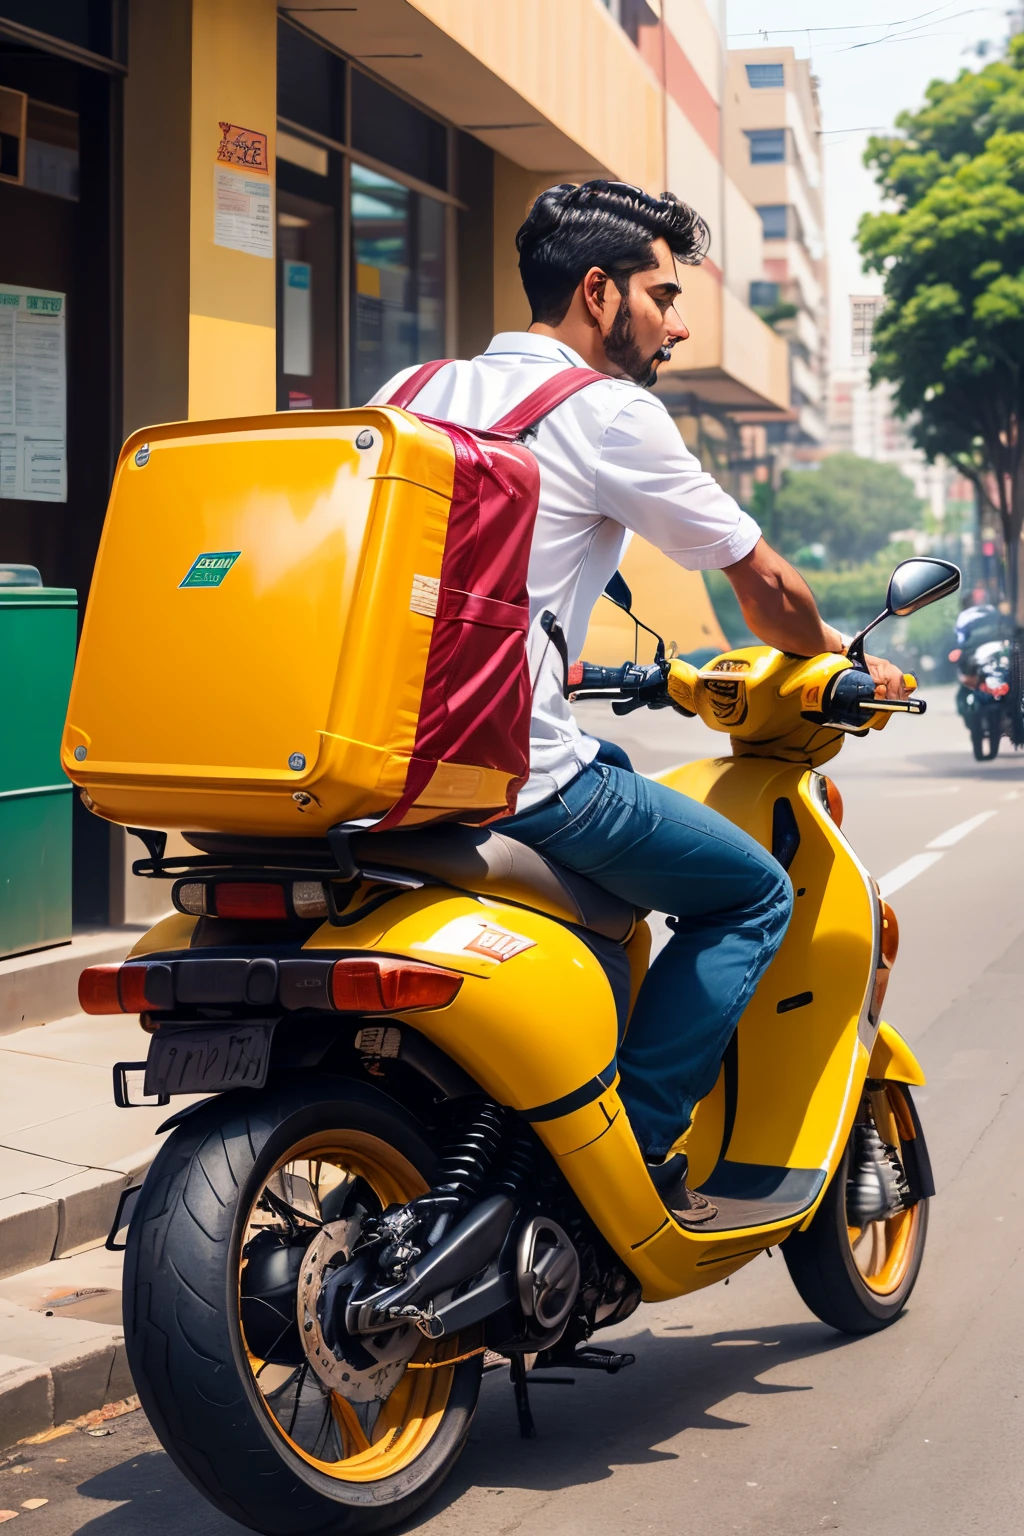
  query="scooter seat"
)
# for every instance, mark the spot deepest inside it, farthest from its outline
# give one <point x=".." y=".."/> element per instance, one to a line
<point x="471" y="858"/>
<point x="490" y="864"/>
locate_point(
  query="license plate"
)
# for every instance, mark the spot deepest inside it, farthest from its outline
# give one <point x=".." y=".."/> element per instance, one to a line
<point x="210" y="1059"/>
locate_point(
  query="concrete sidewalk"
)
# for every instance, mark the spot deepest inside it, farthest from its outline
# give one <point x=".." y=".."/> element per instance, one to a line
<point x="66" y="1153"/>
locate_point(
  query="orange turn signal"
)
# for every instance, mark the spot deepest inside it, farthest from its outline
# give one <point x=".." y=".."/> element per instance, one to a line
<point x="890" y="935"/>
<point x="112" y="989"/>
<point x="391" y="986"/>
<point x="832" y="799"/>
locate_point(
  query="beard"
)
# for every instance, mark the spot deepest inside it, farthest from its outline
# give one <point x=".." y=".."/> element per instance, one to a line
<point x="621" y="347"/>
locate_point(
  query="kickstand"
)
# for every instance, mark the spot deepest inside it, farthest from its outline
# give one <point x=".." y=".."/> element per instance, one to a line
<point x="517" y="1376"/>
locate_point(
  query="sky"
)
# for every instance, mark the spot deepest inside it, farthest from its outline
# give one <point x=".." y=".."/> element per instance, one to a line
<point x="872" y="58"/>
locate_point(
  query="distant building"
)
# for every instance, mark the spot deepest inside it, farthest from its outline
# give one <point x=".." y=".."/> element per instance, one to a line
<point x="772" y="136"/>
<point x="862" y="418"/>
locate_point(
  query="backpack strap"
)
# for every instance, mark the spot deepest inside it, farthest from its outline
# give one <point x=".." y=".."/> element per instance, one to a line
<point x="544" y="399"/>
<point x="407" y="392"/>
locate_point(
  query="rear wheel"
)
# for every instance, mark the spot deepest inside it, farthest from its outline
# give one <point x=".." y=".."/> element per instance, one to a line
<point x="857" y="1275"/>
<point x="985" y="737"/>
<point x="248" y="1203"/>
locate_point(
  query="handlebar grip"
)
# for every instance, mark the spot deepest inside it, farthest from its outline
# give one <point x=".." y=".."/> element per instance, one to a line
<point x="584" y="674"/>
<point x="893" y="706"/>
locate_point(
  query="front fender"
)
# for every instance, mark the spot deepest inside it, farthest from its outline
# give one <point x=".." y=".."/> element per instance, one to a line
<point x="893" y="1060"/>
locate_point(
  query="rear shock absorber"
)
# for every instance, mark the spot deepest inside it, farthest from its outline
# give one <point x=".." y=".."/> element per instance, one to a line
<point x="461" y="1173"/>
<point x="517" y="1162"/>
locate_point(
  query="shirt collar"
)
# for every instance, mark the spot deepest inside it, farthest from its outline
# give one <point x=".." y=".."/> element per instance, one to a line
<point x="530" y="344"/>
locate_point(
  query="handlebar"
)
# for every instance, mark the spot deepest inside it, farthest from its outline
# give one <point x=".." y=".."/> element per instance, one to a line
<point x="852" y="696"/>
<point x="848" y="701"/>
<point x="631" y="686"/>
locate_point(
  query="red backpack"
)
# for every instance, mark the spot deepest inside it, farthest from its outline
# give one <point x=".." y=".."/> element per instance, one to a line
<point x="475" y="705"/>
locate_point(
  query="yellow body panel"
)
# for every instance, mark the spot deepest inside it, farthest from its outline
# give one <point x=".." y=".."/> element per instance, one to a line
<point x="541" y="1026"/>
<point x="188" y="701"/>
<point x="892" y="1059"/>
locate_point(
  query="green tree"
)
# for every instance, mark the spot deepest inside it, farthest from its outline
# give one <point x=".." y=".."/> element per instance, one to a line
<point x="850" y="505"/>
<point x="950" y="246"/>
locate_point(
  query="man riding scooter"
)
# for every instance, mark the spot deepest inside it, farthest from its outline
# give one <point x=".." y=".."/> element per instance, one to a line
<point x="599" y="266"/>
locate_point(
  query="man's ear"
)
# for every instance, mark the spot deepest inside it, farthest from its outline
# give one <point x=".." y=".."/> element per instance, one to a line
<point x="595" y="288"/>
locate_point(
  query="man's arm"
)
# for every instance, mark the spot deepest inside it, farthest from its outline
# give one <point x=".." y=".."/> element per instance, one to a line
<point x="778" y="607"/>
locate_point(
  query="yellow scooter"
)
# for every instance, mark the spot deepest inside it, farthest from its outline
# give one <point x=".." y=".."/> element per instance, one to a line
<point x="412" y="1157"/>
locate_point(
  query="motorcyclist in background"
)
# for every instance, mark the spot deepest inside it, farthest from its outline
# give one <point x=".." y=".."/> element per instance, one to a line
<point x="599" y="266"/>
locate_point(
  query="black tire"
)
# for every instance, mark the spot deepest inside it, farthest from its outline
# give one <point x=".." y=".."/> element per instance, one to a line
<point x="995" y="736"/>
<point x="823" y="1268"/>
<point x="983" y="731"/>
<point x="182" y="1332"/>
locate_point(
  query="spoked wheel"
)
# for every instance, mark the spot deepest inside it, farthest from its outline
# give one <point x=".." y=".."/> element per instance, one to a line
<point x="252" y="1202"/>
<point x="858" y="1261"/>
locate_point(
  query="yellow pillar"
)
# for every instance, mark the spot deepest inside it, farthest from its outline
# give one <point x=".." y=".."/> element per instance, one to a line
<point x="232" y="367"/>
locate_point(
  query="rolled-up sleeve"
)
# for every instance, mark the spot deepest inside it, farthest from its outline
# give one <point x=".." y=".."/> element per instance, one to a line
<point x="650" y="482"/>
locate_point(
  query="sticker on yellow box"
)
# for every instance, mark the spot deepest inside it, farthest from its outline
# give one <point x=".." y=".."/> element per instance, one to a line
<point x="473" y="936"/>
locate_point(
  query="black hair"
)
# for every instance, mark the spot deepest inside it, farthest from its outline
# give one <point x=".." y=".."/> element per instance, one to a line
<point x="606" y="224"/>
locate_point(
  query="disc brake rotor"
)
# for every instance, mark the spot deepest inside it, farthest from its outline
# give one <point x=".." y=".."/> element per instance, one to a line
<point x="368" y="1368"/>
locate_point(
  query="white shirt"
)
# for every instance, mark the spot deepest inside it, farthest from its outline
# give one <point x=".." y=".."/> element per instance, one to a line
<point x="612" y="463"/>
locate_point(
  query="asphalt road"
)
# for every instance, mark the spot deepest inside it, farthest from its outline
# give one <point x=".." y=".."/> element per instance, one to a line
<point x="743" y="1413"/>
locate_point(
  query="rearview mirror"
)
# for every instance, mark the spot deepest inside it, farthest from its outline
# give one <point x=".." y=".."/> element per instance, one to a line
<point x="913" y="585"/>
<point x="916" y="583"/>
<point x="618" y="592"/>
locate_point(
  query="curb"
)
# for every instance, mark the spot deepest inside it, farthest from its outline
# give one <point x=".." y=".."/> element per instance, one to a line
<point x="39" y="1397"/>
<point x="43" y="985"/>
<point x="36" y="1228"/>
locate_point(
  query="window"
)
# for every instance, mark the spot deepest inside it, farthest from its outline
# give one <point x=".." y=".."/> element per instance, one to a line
<point x="765" y="77"/>
<point x="388" y="128"/>
<point x="865" y="312"/>
<point x="310" y="84"/>
<point x="775" y="221"/>
<point x="764" y="295"/>
<point x="95" y="25"/>
<point x="398" y="279"/>
<point x="344" y="326"/>
<point x="767" y="145"/>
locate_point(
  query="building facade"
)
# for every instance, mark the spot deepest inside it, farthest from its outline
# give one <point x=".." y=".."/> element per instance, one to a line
<point x="773" y="153"/>
<point x="238" y="208"/>
<point x="862" y="418"/>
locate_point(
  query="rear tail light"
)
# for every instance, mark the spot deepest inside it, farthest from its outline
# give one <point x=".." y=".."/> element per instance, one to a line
<point x="250" y="899"/>
<point x="113" y="989"/>
<point x="190" y="896"/>
<point x="247" y="900"/>
<point x="391" y="986"/>
<point x="308" y="898"/>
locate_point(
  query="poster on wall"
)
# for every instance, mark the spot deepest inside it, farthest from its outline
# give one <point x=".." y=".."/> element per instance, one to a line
<point x="33" y="394"/>
<point x="243" y="202"/>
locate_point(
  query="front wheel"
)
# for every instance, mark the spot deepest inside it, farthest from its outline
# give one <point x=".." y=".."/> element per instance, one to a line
<point x="857" y="1274"/>
<point x="250" y="1196"/>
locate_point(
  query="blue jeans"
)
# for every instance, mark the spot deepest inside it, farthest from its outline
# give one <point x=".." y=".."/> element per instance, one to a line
<point x="730" y="904"/>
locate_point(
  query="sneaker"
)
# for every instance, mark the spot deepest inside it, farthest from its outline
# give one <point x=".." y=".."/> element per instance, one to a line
<point x="686" y="1205"/>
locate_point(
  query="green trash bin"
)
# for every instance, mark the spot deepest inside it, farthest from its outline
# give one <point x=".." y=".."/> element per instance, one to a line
<point x="37" y="655"/>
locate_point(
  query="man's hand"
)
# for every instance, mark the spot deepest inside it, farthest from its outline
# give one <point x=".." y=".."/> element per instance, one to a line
<point x="888" y="679"/>
<point x="778" y="607"/>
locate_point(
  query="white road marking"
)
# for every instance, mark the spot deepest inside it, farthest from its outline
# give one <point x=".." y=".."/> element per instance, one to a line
<point x="907" y="871"/>
<point x="912" y="867"/>
<point x="952" y="837"/>
<point x="1013" y="795"/>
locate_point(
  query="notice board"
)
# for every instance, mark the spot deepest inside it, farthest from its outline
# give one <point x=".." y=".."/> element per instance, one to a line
<point x="33" y="394"/>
